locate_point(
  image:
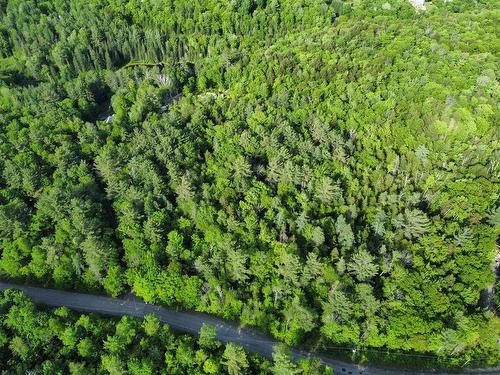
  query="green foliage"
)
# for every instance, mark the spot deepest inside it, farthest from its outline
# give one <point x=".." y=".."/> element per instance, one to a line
<point x="320" y="169"/>
<point x="60" y="341"/>
<point x="208" y="337"/>
<point x="362" y="265"/>
<point x="235" y="359"/>
<point x="282" y="364"/>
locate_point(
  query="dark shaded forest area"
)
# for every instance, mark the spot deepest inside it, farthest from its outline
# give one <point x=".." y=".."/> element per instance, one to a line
<point x="326" y="171"/>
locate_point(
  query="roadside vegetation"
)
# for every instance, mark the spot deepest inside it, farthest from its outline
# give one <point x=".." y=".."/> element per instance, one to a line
<point x="58" y="341"/>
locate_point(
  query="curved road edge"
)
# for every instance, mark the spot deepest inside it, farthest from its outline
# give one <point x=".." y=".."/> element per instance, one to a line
<point x="191" y="322"/>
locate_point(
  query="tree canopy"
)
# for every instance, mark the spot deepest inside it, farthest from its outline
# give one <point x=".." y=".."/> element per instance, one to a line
<point x="59" y="341"/>
<point x="324" y="170"/>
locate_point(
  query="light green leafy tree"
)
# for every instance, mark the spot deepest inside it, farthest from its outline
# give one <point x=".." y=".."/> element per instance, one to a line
<point x="235" y="359"/>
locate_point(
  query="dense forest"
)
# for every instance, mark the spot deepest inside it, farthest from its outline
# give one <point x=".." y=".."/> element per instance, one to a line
<point x="56" y="342"/>
<point x="327" y="171"/>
